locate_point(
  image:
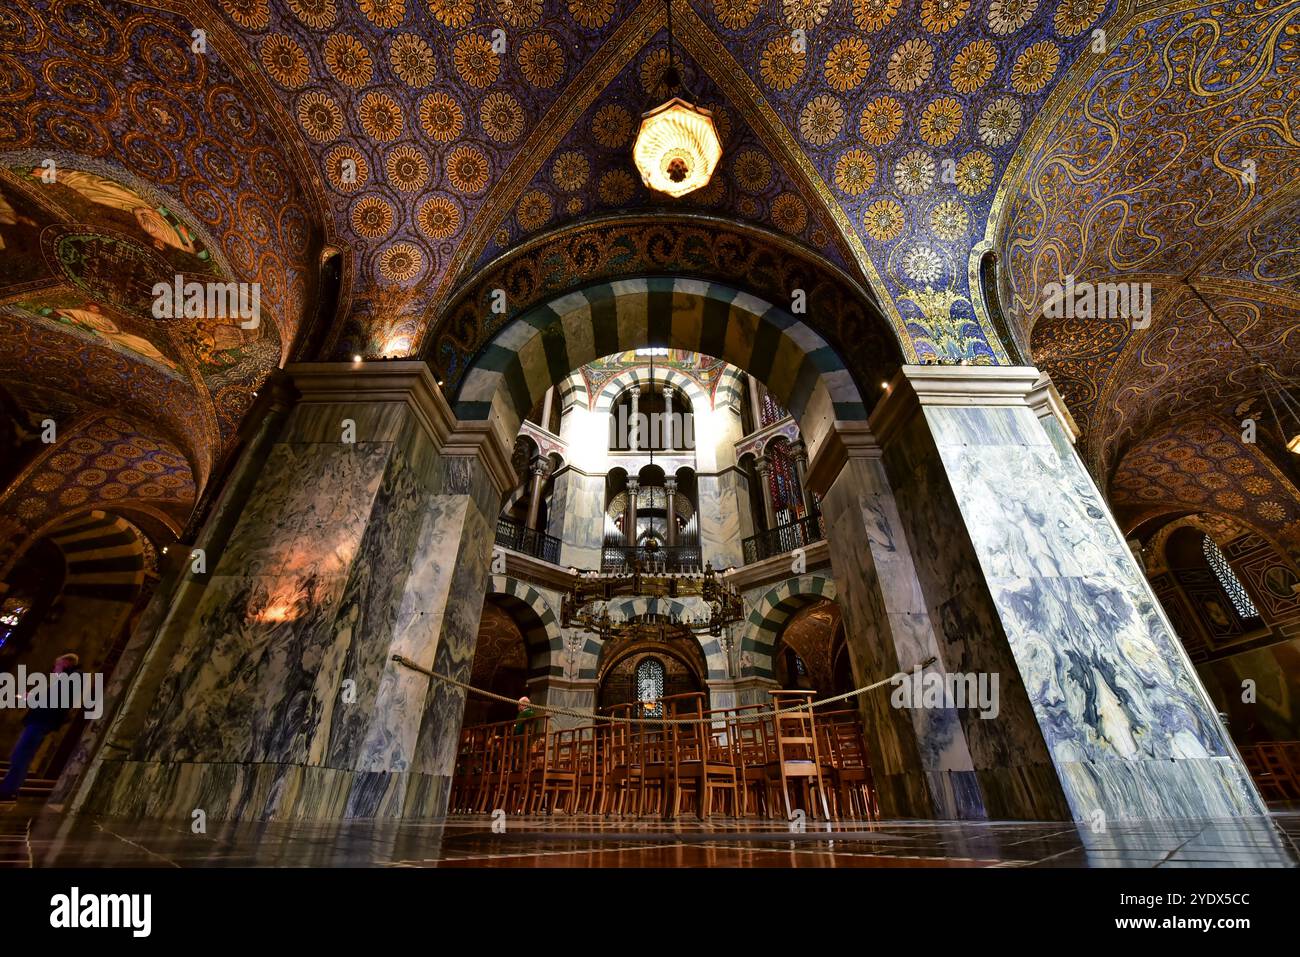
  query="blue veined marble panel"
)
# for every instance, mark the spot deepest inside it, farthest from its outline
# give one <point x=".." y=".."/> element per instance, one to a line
<point x="307" y="511"/>
<point x="1129" y="728"/>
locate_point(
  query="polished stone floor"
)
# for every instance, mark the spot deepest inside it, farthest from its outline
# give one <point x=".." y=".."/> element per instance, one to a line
<point x="33" y="837"/>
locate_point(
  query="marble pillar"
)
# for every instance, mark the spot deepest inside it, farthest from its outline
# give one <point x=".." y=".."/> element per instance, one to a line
<point x="369" y="521"/>
<point x="670" y="510"/>
<point x="1023" y="574"/>
<point x="577" y="513"/>
<point x="577" y="517"/>
<point x="538" y="470"/>
<point x="669" y="437"/>
<point x="763" y="468"/>
<point x="629" y="524"/>
<point x="721" y="529"/>
<point x="799" y="452"/>
<point x="635" y="438"/>
<point x="920" y="758"/>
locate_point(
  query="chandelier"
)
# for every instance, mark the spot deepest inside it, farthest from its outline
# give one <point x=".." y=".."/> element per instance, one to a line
<point x="677" y="147"/>
<point x="585" y="605"/>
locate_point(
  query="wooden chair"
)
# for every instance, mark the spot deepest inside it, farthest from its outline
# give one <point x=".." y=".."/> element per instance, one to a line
<point x="797" y="759"/>
<point x="1270" y="788"/>
<point x="622" y="765"/>
<point x="700" y="764"/>
<point x="854" y="795"/>
<point x="1277" y="776"/>
<point x="654" y="744"/>
<point x="753" y="754"/>
<point x="463" y="778"/>
<point x="591" y="767"/>
<point x="493" y="760"/>
<point x="523" y="760"/>
<point x="558" y="780"/>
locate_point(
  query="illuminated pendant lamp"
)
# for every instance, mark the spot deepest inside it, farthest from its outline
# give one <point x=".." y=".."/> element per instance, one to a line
<point x="677" y="147"/>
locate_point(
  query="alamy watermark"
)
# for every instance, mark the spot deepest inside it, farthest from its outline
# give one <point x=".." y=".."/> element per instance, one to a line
<point x="62" y="691"/>
<point x="1098" y="300"/>
<point x="945" y="690"/>
<point x="180" y="299"/>
<point x="651" y="430"/>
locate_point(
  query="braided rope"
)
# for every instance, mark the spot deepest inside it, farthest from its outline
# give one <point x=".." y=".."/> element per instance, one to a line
<point x="592" y="716"/>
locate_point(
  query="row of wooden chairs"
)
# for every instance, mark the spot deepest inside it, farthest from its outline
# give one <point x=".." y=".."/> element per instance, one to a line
<point x="737" y="761"/>
<point x="1275" y="766"/>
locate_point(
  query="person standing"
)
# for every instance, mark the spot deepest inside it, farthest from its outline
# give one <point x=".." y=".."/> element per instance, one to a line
<point x="38" y="723"/>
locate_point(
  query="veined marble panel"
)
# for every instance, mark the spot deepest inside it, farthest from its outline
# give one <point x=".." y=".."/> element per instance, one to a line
<point x="1129" y="728"/>
<point x="577" y="518"/>
<point x="282" y="700"/>
<point x="920" y="756"/>
<point x="719" y="515"/>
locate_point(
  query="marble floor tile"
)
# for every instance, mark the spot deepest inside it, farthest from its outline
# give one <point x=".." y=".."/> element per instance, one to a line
<point x="33" y="837"/>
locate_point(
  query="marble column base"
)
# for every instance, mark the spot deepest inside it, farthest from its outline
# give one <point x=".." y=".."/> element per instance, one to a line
<point x="264" y="792"/>
<point x="275" y="694"/>
<point x="1027" y="579"/>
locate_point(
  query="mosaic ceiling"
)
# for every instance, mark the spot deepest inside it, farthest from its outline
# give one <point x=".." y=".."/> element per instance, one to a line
<point x="1176" y="162"/>
<point x="877" y="135"/>
<point x="426" y="139"/>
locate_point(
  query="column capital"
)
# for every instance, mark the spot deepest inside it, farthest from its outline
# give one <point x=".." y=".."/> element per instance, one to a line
<point x="670" y="484"/>
<point x="410" y="383"/>
<point x="844" y="441"/>
<point x="762" y="464"/>
<point x="914" y="386"/>
<point x="1048" y="404"/>
<point x="633" y="486"/>
<point x="540" y="465"/>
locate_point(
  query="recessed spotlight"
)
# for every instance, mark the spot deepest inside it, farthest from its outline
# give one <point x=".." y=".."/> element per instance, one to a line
<point x="356" y="360"/>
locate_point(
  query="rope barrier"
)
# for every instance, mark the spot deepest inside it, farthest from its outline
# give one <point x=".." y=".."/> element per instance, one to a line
<point x="592" y="716"/>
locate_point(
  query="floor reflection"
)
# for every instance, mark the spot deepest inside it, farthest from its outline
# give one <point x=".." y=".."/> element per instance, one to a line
<point x="32" y="837"/>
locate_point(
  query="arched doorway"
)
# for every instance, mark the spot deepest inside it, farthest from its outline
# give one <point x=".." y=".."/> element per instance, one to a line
<point x="500" y="665"/>
<point x="811" y="652"/>
<point x="79" y="589"/>
<point x="631" y="669"/>
<point x="513" y="650"/>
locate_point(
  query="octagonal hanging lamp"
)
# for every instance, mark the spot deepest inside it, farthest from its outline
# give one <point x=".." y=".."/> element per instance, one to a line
<point x="677" y="147"/>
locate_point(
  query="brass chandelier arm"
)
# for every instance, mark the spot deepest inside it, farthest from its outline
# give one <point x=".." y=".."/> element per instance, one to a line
<point x="725" y="603"/>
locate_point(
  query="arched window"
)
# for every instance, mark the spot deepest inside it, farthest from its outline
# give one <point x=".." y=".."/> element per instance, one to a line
<point x="650" y="685"/>
<point x="1228" y="579"/>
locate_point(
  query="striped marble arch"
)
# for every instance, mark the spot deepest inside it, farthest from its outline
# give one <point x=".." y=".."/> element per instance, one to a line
<point x="536" y="620"/>
<point x="541" y="347"/>
<point x="769" y="617"/>
<point x="714" y="655"/>
<point x="573" y="391"/>
<point x="678" y="380"/>
<point x="731" y="388"/>
<point x="104" y="556"/>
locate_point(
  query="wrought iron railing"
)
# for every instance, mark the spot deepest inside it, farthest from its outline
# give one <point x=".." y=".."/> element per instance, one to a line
<point x="783" y="538"/>
<point x="518" y="537"/>
<point x="677" y="558"/>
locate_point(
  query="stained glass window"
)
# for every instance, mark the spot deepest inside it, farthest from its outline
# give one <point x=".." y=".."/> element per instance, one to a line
<point x="1232" y="586"/>
<point x="650" y="685"/>
<point x="784" y="481"/>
